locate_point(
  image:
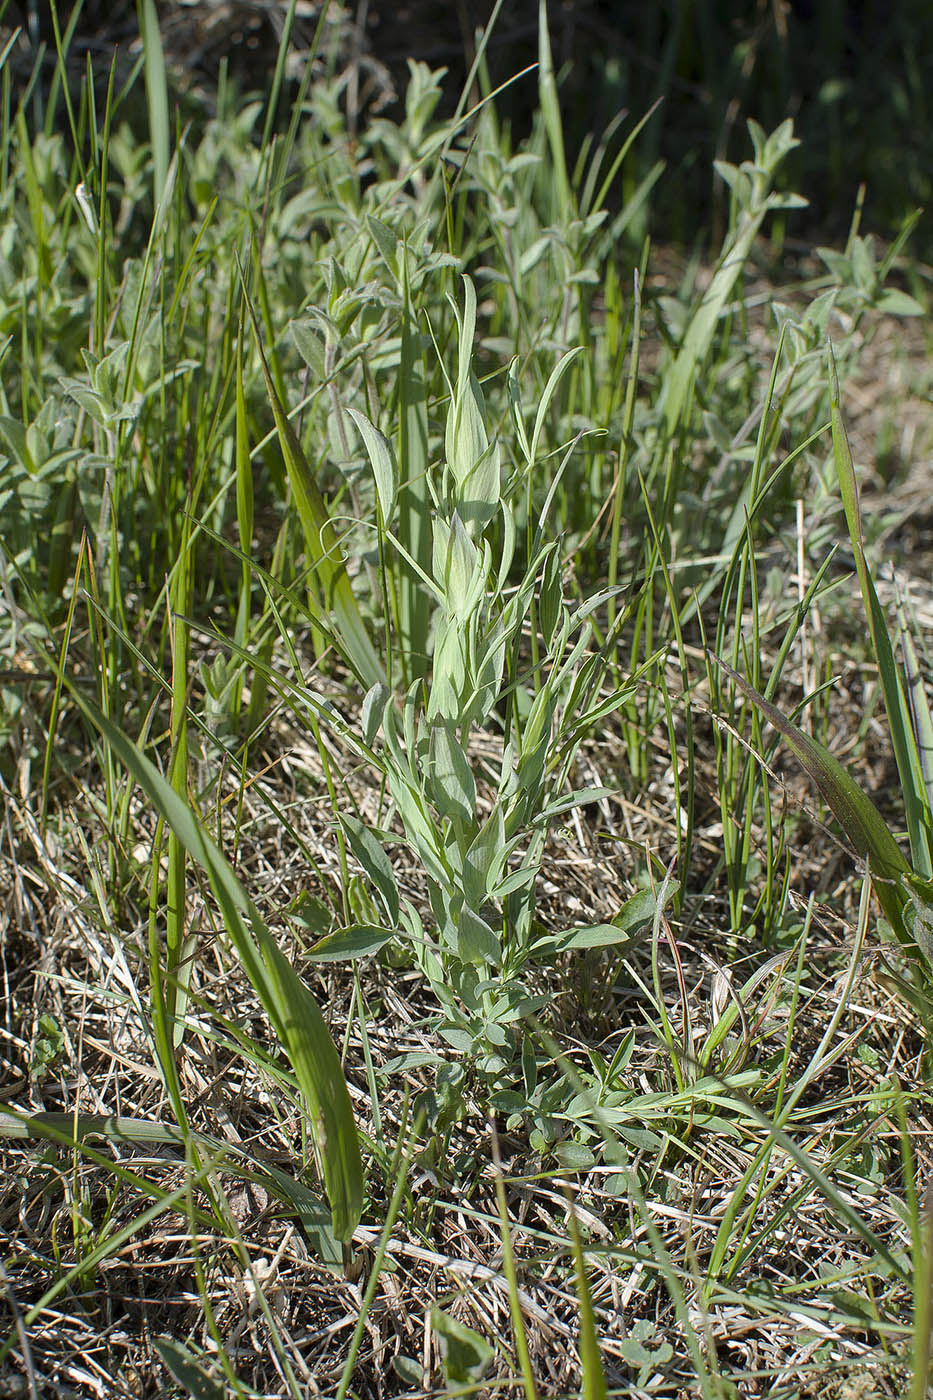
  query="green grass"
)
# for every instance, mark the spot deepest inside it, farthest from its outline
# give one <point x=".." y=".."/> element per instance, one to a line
<point x="422" y="968"/>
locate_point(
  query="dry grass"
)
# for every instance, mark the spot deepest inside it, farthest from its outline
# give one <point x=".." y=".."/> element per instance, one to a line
<point x="71" y="955"/>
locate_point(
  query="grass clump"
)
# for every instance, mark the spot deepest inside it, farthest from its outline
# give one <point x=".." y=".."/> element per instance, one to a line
<point x="372" y="561"/>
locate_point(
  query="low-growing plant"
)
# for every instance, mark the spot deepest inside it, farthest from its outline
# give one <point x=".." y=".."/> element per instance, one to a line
<point x="513" y="658"/>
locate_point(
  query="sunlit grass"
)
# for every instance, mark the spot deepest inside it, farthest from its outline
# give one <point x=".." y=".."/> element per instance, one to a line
<point x="338" y="475"/>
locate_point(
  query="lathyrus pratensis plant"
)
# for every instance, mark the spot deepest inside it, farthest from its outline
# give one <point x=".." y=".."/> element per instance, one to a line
<point x="491" y="641"/>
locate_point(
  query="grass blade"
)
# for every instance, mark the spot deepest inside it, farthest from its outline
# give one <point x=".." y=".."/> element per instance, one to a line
<point x="591" y="1364"/>
<point x="855" y="812"/>
<point x="511" y="1274"/>
<point x="156" y="95"/>
<point x="913" y="788"/>
<point x="179" y="947"/>
<point x="293" y="1012"/>
<point x="550" y="109"/>
<point x="414" y="499"/>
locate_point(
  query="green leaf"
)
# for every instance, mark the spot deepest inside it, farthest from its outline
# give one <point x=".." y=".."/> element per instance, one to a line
<point x="579" y="798"/>
<point x="312" y="913"/>
<point x="382" y="460"/>
<point x="575" y="1156"/>
<point x="374" y="704"/>
<point x="183" y="1367"/>
<point x="476" y="941"/>
<point x="453" y="786"/>
<point x="449" y="676"/>
<point x="636" y="913"/>
<point x="385" y="240"/>
<point x="345" y="944"/>
<point x="894" y="302"/>
<point x="556" y="375"/>
<point x="461" y="571"/>
<point x="589" y="936"/>
<point x="313" y="1216"/>
<point x="551" y="596"/>
<point x="473" y="461"/>
<point x="375" y="862"/>
<point x="466" y="1355"/>
<point x="485" y="858"/>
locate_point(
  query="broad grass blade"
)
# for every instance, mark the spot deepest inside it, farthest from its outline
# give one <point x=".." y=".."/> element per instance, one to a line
<point x="292" y="1011"/>
<point x="156" y="95"/>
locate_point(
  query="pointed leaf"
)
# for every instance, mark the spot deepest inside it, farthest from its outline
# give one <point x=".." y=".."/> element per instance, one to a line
<point x="382" y="459"/>
<point x="345" y="944"/>
<point x="375" y="862"/>
<point x="453" y="786"/>
<point x="476" y="941"/>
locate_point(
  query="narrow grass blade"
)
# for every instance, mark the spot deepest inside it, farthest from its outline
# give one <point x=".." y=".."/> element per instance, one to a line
<point x="400" y="1164"/>
<point x="414" y="528"/>
<point x="909" y="767"/>
<point x="919" y="708"/>
<point x="921" y="1220"/>
<point x="285" y="34"/>
<point x="112" y="1242"/>
<point x="57" y="694"/>
<point x="179" y="950"/>
<point x="244" y="510"/>
<point x="628" y="420"/>
<point x="591" y="1364"/>
<point x="511" y="1275"/>
<point x="550" y="109"/>
<point x="855" y="812"/>
<point x="292" y="1011"/>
